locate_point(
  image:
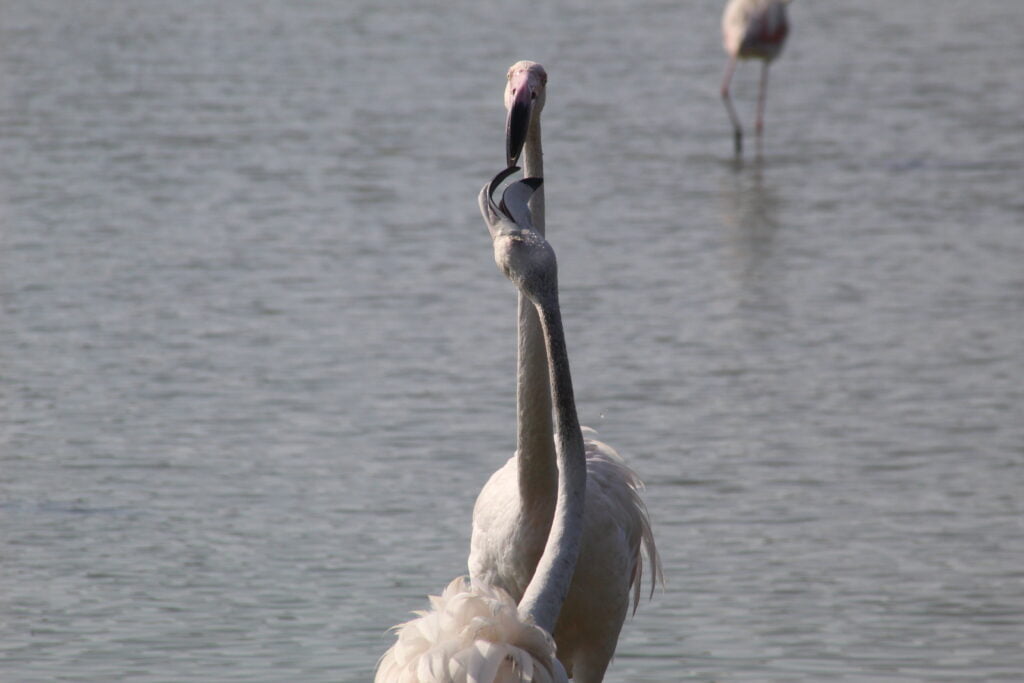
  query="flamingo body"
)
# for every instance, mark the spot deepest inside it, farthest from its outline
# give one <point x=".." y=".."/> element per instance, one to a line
<point x="508" y="540"/>
<point x="755" y="29"/>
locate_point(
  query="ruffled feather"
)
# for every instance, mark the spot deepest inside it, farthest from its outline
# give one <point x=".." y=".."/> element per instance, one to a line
<point x="472" y="634"/>
<point x="605" y="465"/>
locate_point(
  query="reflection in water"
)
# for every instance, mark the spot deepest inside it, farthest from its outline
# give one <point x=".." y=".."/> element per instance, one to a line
<point x="749" y="207"/>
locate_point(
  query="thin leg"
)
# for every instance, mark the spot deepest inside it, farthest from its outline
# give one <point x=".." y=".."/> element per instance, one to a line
<point x="762" y="95"/>
<point x="737" y="129"/>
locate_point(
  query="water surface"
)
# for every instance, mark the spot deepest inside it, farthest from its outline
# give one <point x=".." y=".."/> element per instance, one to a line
<point x="256" y="360"/>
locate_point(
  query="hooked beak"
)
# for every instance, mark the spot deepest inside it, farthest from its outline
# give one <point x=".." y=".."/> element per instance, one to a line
<point x="491" y="211"/>
<point x="513" y="211"/>
<point x="520" y="111"/>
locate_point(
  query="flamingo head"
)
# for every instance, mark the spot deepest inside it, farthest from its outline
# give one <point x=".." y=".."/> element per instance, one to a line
<point x="524" y="100"/>
<point x="522" y="254"/>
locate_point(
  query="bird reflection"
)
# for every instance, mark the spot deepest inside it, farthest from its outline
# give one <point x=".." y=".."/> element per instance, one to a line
<point x="749" y="209"/>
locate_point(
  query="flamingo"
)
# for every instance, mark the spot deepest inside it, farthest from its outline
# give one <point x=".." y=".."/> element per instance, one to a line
<point x="752" y="29"/>
<point x="513" y="512"/>
<point x="476" y="632"/>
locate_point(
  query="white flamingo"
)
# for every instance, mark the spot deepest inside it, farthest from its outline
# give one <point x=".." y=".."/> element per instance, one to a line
<point x="752" y="29"/>
<point x="476" y="633"/>
<point x="514" y="510"/>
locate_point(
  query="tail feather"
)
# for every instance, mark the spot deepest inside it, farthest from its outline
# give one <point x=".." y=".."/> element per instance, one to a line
<point x="605" y="463"/>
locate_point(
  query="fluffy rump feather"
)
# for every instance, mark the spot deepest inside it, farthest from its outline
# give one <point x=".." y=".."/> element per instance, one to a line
<point x="473" y="634"/>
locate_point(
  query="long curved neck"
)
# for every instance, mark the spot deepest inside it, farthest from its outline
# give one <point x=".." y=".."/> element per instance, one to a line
<point x="543" y="598"/>
<point x="534" y="432"/>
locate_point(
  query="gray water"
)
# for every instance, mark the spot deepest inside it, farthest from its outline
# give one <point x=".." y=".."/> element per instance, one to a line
<point x="256" y="360"/>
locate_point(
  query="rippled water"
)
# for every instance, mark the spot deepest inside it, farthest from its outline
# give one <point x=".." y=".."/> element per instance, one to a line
<point x="256" y="361"/>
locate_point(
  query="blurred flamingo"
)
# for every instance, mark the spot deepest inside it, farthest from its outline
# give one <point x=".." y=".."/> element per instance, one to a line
<point x="752" y="29"/>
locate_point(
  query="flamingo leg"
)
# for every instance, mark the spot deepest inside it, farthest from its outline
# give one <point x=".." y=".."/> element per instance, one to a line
<point x="762" y="95"/>
<point x="730" y="68"/>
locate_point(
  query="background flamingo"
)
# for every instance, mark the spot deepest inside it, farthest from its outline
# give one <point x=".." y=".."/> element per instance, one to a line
<point x="514" y="510"/>
<point x="752" y="29"/>
<point x="476" y="633"/>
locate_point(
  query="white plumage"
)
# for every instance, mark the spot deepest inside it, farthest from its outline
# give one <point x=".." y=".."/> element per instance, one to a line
<point x="755" y="28"/>
<point x="472" y="634"/>
<point x="613" y="506"/>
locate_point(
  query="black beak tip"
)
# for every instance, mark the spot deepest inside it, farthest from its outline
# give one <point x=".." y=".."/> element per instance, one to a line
<point x="516" y="128"/>
<point x="498" y="179"/>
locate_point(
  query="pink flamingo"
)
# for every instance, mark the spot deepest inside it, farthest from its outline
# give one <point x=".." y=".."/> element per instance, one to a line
<point x="752" y="29"/>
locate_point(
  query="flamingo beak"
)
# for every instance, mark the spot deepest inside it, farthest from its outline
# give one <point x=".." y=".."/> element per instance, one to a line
<point x="520" y="111"/>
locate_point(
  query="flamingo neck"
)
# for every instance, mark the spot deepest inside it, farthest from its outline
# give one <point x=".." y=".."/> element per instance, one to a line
<point x="538" y="474"/>
<point x="535" y="447"/>
<point x="533" y="167"/>
<point x="543" y="598"/>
